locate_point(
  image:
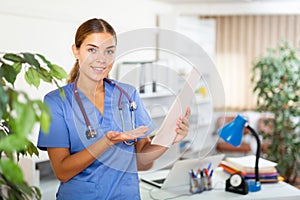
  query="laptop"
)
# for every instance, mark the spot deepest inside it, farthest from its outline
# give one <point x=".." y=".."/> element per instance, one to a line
<point x="178" y="175"/>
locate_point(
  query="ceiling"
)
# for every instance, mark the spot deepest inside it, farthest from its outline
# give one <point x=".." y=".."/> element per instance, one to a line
<point x="217" y="1"/>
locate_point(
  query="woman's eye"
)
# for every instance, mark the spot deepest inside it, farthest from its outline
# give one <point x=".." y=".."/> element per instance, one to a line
<point x="110" y="52"/>
<point x="92" y="50"/>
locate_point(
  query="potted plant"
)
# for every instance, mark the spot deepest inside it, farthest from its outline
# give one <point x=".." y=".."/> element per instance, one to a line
<point x="19" y="113"/>
<point x="277" y="85"/>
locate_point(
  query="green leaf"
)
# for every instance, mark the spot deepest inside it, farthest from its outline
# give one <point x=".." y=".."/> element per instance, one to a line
<point x="32" y="77"/>
<point x="18" y="67"/>
<point x="3" y="100"/>
<point x="22" y="190"/>
<point x="30" y="59"/>
<point x="11" y="171"/>
<point x="58" y="72"/>
<point x="61" y="91"/>
<point x="24" y="111"/>
<point x="13" y="57"/>
<point x="45" y="60"/>
<point x="45" y="120"/>
<point x="45" y="75"/>
<point x="12" y="143"/>
<point x="31" y="149"/>
<point x="37" y="192"/>
<point x="1" y="72"/>
<point x="9" y="73"/>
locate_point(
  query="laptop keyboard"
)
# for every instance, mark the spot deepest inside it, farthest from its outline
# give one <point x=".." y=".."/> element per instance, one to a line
<point x="159" y="180"/>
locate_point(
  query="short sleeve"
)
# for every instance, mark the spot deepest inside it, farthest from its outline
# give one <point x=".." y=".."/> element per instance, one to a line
<point x="58" y="134"/>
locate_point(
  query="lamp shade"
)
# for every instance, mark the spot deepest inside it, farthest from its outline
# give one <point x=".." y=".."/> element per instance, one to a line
<point x="232" y="132"/>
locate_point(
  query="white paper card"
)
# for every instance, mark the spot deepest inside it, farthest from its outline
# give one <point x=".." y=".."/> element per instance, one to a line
<point x="166" y="133"/>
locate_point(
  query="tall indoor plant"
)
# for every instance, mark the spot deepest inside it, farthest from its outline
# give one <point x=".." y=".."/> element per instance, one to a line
<point x="277" y="84"/>
<point x="19" y="113"/>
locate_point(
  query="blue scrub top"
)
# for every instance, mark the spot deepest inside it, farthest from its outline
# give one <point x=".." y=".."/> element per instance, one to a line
<point x="114" y="174"/>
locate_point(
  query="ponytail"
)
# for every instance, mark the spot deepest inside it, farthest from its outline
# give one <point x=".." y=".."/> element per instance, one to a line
<point x="73" y="73"/>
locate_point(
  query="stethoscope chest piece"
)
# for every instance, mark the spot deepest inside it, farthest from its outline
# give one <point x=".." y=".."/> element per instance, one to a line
<point x="133" y="106"/>
<point x="90" y="133"/>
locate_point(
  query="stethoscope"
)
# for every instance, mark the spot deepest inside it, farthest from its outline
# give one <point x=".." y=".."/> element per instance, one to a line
<point x="91" y="133"/>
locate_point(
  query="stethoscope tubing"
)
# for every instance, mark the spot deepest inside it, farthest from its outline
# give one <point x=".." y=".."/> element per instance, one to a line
<point x="122" y="91"/>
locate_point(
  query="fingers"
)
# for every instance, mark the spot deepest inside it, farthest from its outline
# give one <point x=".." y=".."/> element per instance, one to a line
<point x="183" y="122"/>
<point x="141" y="130"/>
<point x="182" y="126"/>
<point x="138" y="132"/>
<point x="188" y="112"/>
<point x="115" y="136"/>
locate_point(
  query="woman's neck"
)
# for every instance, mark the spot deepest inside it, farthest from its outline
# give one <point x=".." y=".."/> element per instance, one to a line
<point x="90" y="87"/>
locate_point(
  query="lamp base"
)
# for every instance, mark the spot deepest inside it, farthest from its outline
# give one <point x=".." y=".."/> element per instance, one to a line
<point x="254" y="186"/>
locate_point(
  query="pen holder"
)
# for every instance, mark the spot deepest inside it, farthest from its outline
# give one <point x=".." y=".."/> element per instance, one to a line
<point x="196" y="185"/>
<point x="200" y="183"/>
<point x="207" y="184"/>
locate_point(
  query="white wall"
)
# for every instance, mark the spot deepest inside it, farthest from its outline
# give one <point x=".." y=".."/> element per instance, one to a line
<point x="49" y="27"/>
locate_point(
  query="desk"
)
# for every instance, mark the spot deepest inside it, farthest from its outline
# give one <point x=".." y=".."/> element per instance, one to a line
<point x="280" y="190"/>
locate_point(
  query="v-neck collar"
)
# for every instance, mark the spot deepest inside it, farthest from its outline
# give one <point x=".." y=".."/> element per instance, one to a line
<point x="106" y="105"/>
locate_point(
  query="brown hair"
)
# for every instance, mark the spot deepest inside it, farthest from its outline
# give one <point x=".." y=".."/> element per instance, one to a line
<point x="90" y="26"/>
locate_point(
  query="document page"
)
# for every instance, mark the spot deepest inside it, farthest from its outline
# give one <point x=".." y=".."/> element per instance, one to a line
<point x="166" y="132"/>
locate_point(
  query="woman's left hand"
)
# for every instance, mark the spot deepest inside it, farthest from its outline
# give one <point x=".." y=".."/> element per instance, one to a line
<point x="182" y="126"/>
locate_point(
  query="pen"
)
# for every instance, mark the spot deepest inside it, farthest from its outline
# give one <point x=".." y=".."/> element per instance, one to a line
<point x="209" y="166"/>
<point x="206" y="172"/>
<point x="211" y="173"/>
<point x="198" y="173"/>
<point x="209" y="185"/>
<point x="204" y="180"/>
<point x="193" y="173"/>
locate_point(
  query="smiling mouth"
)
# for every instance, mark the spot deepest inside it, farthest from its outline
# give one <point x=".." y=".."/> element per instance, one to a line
<point x="99" y="69"/>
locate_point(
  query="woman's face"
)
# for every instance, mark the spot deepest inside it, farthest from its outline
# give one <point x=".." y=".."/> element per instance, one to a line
<point x="96" y="55"/>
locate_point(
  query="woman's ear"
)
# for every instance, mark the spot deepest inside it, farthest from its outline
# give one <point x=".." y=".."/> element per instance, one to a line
<point x="75" y="51"/>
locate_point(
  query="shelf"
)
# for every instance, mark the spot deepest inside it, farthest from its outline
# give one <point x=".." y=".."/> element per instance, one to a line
<point x="202" y="101"/>
<point x="155" y="95"/>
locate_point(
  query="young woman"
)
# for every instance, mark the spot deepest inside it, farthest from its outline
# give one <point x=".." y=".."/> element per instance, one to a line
<point x="97" y="136"/>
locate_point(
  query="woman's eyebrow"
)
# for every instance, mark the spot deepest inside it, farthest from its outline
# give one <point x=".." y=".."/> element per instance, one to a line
<point x="93" y="45"/>
<point x="112" y="46"/>
<point x="109" y="47"/>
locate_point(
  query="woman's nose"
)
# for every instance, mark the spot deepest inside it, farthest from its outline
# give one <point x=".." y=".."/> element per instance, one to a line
<point x="101" y="58"/>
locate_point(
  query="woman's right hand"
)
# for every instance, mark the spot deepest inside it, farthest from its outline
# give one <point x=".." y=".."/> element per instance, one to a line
<point x="115" y="137"/>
